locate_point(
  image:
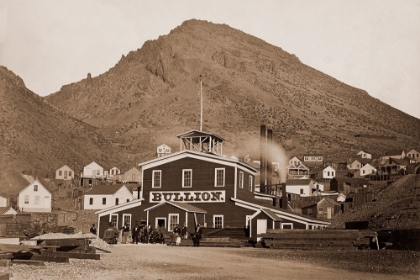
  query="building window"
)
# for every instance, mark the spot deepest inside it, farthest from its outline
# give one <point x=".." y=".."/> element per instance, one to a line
<point x="70" y="173"/>
<point x="128" y="200"/>
<point x="126" y="219"/>
<point x="36" y="200"/>
<point x="157" y="178"/>
<point x="310" y="211"/>
<point x="218" y="221"/>
<point x="301" y="191"/>
<point x="91" y="201"/>
<point x="320" y="210"/>
<point x="328" y="173"/>
<point x="241" y="180"/>
<point x="219" y="177"/>
<point x="98" y="172"/>
<point x="35" y="188"/>
<point x="60" y="173"/>
<point x="250" y="183"/>
<point x="117" y="200"/>
<point x="187" y="178"/>
<point x="113" y="218"/>
<point x="104" y="201"/>
<point x="26" y="199"/>
<point x="173" y="221"/>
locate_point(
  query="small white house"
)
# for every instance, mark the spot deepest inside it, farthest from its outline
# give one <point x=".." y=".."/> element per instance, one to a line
<point x="367" y="169"/>
<point x="104" y="196"/>
<point x="301" y="187"/>
<point x="134" y="175"/>
<point x="92" y="170"/>
<point x="328" y="173"/>
<point x="3" y="202"/>
<point x="365" y="154"/>
<point x="64" y="173"/>
<point x="34" y="198"/>
<point x="163" y="150"/>
<point x="354" y="165"/>
<point x="114" y="171"/>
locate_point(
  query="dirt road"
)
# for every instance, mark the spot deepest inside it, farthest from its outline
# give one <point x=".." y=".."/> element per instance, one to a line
<point x="171" y="262"/>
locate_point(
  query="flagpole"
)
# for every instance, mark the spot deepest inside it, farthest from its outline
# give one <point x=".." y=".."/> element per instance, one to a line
<point x="201" y="104"/>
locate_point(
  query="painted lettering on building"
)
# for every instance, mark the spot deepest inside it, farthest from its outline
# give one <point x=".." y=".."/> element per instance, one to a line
<point x="190" y="196"/>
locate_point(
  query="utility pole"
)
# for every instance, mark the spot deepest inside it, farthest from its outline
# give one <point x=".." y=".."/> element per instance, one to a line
<point x="201" y="104"/>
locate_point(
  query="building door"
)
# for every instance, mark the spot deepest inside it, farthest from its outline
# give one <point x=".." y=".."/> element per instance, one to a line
<point x="161" y="222"/>
<point x="261" y="227"/>
<point x="65" y="174"/>
<point x="329" y="213"/>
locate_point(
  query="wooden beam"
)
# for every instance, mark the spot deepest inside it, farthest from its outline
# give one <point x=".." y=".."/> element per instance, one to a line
<point x="29" y="262"/>
<point x="50" y="258"/>
<point x="73" y="255"/>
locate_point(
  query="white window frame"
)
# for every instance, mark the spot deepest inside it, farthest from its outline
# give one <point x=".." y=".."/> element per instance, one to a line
<point x="110" y="219"/>
<point x="123" y="220"/>
<point x="35" y="188"/>
<point x="103" y="201"/>
<point x="171" y="227"/>
<point x="160" y="218"/>
<point x="286" y="224"/>
<point x="241" y="179"/>
<point x="160" y="179"/>
<point x="250" y="183"/>
<point x="37" y="199"/>
<point x="90" y="200"/>
<point x="26" y="199"/>
<point x="218" y="216"/>
<point x="215" y="177"/>
<point x="183" y="178"/>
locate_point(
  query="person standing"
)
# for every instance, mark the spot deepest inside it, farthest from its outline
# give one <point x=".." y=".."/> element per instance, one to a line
<point x="93" y="229"/>
<point x="125" y="233"/>
<point x="135" y="233"/>
<point x="184" y="231"/>
<point x="198" y="233"/>
<point x="175" y="234"/>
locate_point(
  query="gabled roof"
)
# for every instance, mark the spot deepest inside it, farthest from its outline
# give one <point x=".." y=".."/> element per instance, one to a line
<point x="119" y="207"/>
<point x="272" y="215"/>
<point x="394" y="152"/>
<point x="297" y="182"/>
<point x="183" y="206"/>
<point x="197" y="133"/>
<point x="281" y="212"/>
<point x="105" y="189"/>
<point x="198" y="155"/>
<point x="65" y="165"/>
<point x="329" y="200"/>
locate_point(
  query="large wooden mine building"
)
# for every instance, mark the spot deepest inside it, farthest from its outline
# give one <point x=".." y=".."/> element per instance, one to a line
<point x="199" y="185"/>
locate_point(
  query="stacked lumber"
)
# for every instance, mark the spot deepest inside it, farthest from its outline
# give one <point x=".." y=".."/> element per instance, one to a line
<point x="63" y="229"/>
<point x="220" y="242"/>
<point x="49" y="250"/>
<point x="314" y="239"/>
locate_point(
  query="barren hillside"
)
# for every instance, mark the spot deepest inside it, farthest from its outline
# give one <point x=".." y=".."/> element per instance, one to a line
<point x="152" y="94"/>
<point x="37" y="138"/>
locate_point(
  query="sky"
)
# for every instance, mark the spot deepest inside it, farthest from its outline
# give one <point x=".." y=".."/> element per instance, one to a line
<point x="369" y="44"/>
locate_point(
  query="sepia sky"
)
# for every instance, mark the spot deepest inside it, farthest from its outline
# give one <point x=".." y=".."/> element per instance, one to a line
<point x="369" y="44"/>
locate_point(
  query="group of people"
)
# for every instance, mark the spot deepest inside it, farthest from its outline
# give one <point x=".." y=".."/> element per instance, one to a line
<point x="146" y="234"/>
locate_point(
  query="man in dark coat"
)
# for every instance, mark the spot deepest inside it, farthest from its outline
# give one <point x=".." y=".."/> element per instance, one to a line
<point x="93" y="229"/>
<point x="135" y="233"/>
<point x="197" y="236"/>
<point x="125" y="233"/>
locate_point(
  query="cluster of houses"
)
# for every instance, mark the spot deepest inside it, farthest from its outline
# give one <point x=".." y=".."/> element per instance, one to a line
<point x="199" y="185"/>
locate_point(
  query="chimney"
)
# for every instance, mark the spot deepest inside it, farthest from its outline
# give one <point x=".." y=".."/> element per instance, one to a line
<point x="263" y="158"/>
<point x="284" y="200"/>
<point x="269" y="157"/>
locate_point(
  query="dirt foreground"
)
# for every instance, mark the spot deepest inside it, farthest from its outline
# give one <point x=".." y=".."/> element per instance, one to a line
<point x="146" y="261"/>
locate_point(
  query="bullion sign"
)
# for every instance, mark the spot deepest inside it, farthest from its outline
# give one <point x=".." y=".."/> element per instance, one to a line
<point x="191" y="196"/>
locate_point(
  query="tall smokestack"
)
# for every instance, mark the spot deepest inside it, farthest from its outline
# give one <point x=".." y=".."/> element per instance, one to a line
<point x="263" y="158"/>
<point x="269" y="157"/>
<point x="284" y="200"/>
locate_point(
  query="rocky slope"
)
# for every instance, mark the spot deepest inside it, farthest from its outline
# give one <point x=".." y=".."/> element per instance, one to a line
<point x="153" y="93"/>
<point x="38" y="138"/>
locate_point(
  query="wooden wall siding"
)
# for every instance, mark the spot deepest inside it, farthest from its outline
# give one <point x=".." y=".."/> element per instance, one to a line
<point x="202" y="178"/>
